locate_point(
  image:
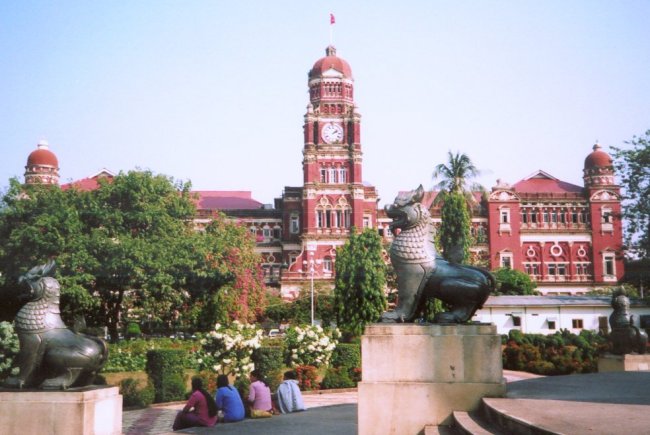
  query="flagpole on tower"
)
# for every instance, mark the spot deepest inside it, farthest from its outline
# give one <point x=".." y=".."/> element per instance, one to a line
<point x="332" y="22"/>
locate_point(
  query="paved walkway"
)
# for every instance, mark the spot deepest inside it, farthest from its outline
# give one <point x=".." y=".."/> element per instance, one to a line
<point x="602" y="403"/>
<point x="158" y="419"/>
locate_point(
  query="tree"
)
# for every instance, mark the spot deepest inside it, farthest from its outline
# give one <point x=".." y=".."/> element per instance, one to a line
<point x="360" y="281"/>
<point x="513" y="282"/>
<point x="632" y="166"/>
<point x="454" y="235"/>
<point x="455" y="194"/>
<point x="130" y="246"/>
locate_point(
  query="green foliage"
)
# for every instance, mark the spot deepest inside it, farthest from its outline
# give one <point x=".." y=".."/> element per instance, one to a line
<point x="360" y="282"/>
<point x="229" y="349"/>
<point x="337" y="378"/>
<point x="632" y="163"/>
<point x="165" y="368"/>
<point x="298" y="311"/>
<point x="454" y="235"/>
<point x="9" y="348"/>
<point x="134" y="395"/>
<point x="513" y="282"/>
<point x="131" y="355"/>
<point x="310" y="345"/>
<point x="133" y="330"/>
<point x="130" y="246"/>
<point x="269" y="360"/>
<point x="559" y="354"/>
<point x="307" y="377"/>
<point x="346" y="355"/>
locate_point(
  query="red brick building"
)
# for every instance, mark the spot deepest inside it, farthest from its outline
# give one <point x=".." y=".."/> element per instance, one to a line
<point x="566" y="237"/>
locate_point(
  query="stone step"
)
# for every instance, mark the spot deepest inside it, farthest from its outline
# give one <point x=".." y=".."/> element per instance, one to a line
<point x="472" y="423"/>
<point x="439" y="430"/>
<point x="509" y="424"/>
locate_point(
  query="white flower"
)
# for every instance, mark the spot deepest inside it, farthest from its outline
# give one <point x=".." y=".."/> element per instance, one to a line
<point x="216" y="367"/>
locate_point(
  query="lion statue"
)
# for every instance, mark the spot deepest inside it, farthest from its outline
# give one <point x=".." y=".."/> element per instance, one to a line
<point x="625" y="337"/>
<point x="51" y="356"/>
<point x="422" y="274"/>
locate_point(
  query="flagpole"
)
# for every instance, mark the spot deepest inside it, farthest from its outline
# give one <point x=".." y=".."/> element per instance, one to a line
<point x="332" y="21"/>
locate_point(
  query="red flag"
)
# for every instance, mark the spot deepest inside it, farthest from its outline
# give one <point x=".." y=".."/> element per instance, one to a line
<point x="332" y="19"/>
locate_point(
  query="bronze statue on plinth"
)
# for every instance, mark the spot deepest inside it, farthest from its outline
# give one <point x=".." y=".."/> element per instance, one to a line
<point x="51" y="356"/>
<point x="625" y="337"/>
<point x="423" y="274"/>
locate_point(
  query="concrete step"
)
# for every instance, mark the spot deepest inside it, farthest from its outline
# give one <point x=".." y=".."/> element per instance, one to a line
<point x="439" y="430"/>
<point x="507" y="422"/>
<point x="473" y="423"/>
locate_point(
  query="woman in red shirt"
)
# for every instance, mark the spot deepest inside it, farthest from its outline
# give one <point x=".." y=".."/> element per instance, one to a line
<point x="200" y="410"/>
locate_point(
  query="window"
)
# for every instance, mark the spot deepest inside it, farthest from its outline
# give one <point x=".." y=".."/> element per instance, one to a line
<point x="516" y="320"/>
<point x="576" y="323"/>
<point x="277" y="232"/>
<point x="343" y="175"/>
<point x="551" y="269"/>
<point x="506" y="260"/>
<point x="603" y="324"/>
<point x="554" y="216"/>
<point x="608" y="265"/>
<point x="533" y="217"/>
<point x="545" y="217"/>
<point x="334" y="175"/>
<point x="551" y="324"/>
<point x="366" y="222"/>
<point x="524" y="217"/>
<point x="327" y="264"/>
<point x="323" y="175"/>
<point x="607" y="215"/>
<point x="253" y="230"/>
<point x="295" y="225"/>
<point x="561" y="269"/>
<point x="505" y="215"/>
<point x="574" y="217"/>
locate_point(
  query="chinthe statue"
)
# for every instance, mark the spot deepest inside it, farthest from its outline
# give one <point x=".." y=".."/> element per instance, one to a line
<point x="422" y="274"/>
<point x="51" y="356"/>
<point x="625" y="337"/>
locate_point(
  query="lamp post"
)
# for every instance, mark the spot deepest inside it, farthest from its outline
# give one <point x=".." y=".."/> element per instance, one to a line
<point x="311" y="272"/>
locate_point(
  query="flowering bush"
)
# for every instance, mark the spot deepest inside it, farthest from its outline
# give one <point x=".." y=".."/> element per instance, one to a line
<point x="310" y="345"/>
<point x="8" y="350"/>
<point x="307" y="378"/>
<point x="228" y="349"/>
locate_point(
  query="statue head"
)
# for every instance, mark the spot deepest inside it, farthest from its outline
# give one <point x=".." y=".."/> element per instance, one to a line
<point x="407" y="211"/>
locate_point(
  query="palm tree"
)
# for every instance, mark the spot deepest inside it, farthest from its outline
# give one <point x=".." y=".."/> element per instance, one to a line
<point x="455" y="177"/>
<point x="455" y="194"/>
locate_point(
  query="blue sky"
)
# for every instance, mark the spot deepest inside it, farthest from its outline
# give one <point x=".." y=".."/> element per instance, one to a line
<point x="215" y="91"/>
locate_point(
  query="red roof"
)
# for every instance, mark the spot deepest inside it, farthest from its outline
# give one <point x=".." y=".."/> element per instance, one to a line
<point x="330" y="61"/>
<point x="226" y="200"/>
<point x="541" y="182"/>
<point x="89" y="183"/>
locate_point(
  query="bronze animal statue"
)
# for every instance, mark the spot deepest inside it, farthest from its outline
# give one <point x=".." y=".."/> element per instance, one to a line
<point x="422" y="274"/>
<point x="625" y="337"/>
<point x="51" y="356"/>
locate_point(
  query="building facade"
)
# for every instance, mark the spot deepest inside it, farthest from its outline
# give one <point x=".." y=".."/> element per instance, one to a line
<point x="568" y="238"/>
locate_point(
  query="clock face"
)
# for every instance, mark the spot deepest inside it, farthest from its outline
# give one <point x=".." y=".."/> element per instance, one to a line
<point x="332" y="133"/>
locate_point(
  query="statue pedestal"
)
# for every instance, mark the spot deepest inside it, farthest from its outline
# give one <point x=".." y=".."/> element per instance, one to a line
<point x="89" y="410"/>
<point x="417" y="375"/>
<point x="624" y="363"/>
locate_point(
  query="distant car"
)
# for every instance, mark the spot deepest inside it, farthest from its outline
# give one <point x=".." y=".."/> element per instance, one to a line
<point x="275" y="333"/>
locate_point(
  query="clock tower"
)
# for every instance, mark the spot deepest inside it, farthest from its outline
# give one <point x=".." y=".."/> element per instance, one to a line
<point x="334" y="199"/>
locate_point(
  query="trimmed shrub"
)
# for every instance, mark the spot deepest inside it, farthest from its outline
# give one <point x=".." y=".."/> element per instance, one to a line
<point x="133" y="395"/>
<point x="133" y="330"/>
<point x="346" y="355"/>
<point x="337" y="378"/>
<point x="165" y="370"/>
<point x="269" y="360"/>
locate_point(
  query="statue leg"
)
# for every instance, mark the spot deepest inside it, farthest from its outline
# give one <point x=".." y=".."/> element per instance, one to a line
<point x="465" y="298"/>
<point x="29" y="361"/>
<point x="63" y="381"/>
<point x="411" y="281"/>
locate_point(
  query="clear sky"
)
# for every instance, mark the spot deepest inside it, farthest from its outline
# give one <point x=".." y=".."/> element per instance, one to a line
<point x="215" y="91"/>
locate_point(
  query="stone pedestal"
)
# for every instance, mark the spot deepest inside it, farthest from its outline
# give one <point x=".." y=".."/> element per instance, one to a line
<point x="91" y="410"/>
<point x="417" y="375"/>
<point x="623" y="363"/>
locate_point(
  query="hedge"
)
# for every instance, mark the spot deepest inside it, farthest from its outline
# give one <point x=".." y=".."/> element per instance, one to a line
<point x="165" y="370"/>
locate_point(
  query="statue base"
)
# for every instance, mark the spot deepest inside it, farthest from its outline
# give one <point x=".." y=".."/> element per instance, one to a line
<point x="90" y="410"/>
<point x="417" y="375"/>
<point x="624" y="363"/>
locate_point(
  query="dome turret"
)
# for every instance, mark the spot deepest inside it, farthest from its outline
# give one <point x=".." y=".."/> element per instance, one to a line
<point x="599" y="168"/>
<point x="42" y="166"/>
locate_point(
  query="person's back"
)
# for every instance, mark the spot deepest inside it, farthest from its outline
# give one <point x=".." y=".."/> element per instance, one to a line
<point x="289" y="396"/>
<point x="229" y="400"/>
